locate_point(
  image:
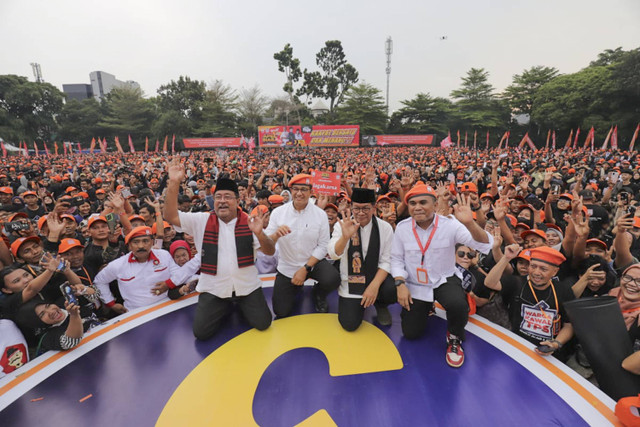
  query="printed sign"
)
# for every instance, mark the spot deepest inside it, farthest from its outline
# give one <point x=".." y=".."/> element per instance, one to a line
<point x="382" y="140"/>
<point x="309" y="136"/>
<point x="212" y="142"/>
<point x="326" y="182"/>
<point x="538" y="321"/>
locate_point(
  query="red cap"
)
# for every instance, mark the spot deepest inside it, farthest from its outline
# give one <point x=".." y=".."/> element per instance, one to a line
<point x="302" y="179"/>
<point x="70" y="189"/>
<point x="67" y="244"/>
<point x="95" y="219"/>
<point x="143" y="230"/>
<point x="547" y="255"/>
<point x="15" y="246"/>
<point x="597" y="242"/>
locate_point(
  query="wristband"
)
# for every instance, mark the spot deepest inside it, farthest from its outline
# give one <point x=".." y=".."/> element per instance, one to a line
<point x="308" y="268"/>
<point x="557" y="342"/>
<point x="399" y="282"/>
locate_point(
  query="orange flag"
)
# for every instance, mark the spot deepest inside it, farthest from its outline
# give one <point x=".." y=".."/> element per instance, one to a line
<point x="146" y="144"/>
<point x="569" y="140"/>
<point x="633" y="140"/>
<point x="164" y="146"/>
<point x="93" y="145"/>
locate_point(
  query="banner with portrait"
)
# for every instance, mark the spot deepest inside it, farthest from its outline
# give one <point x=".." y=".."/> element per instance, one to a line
<point x="309" y="136"/>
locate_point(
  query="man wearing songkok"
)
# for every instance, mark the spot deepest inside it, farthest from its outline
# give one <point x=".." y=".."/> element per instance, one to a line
<point x="536" y="302"/>
<point x="301" y="231"/>
<point x="423" y="265"/>
<point x="362" y="243"/>
<point x="226" y="241"/>
<point x="136" y="272"/>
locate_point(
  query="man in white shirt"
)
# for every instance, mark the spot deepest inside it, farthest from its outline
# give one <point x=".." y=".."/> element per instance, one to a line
<point x="226" y="241"/>
<point x="301" y="230"/>
<point x="137" y="273"/>
<point x="362" y="243"/>
<point x="423" y="265"/>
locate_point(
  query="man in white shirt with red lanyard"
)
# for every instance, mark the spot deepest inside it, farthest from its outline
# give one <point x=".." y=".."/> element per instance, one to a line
<point x="227" y="240"/>
<point x="137" y="273"/>
<point x="423" y="265"/>
<point x="301" y="230"/>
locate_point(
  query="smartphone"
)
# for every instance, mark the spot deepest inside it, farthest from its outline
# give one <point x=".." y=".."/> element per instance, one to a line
<point x="545" y="349"/>
<point x="111" y="221"/>
<point x="615" y="176"/>
<point x="624" y="197"/>
<point x="631" y="210"/>
<point x="67" y="292"/>
<point x="126" y="193"/>
<point x="555" y="189"/>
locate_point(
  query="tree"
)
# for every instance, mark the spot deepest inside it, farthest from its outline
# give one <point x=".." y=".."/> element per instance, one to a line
<point x="252" y="105"/>
<point x="79" y="120"/>
<point x="477" y="106"/>
<point x="521" y="92"/>
<point x="217" y="117"/>
<point x="423" y="115"/>
<point x="364" y="105"/>
<point x="128" y="113"/>
<point x="184" y="96"/>
<point x="290" y="66"/>
<point x="28" y="110"/>
<point x="334" y="79"/>
<point x="608" y="57"/>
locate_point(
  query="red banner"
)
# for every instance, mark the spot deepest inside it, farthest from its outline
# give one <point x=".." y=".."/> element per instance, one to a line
<point x="212" y="142"/>
<point x="326" y="182"/>
<point x="381" y="140"/>
<point x="309" y="136"/>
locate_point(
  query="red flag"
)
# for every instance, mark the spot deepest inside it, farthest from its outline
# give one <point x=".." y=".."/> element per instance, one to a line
<point x="465" y="139"/>
<point x="447" y="142"/>
<point x="103" y="145"/>
<point x="506" y="144"/>
<point x="575" y="141"/>
<point x="487" y="140"/>
<point x="606" y="140"/>
<point x="503" y="139"/>
<point x="35" y="148"/>
<point x="164" y="146"/>
<point x="569" y="140"/>
<point x="133" y="150"/>
<point x="173" y="144"/>
<point x="458" y="142"/>
<point x="55" y="147"/>
<point x="4" y="150"/>
<point x="614" y="138"/>
<point x="633" y="139"/>
<point x="79" y="148"/>
<point x="64" y="145"/>
<point x="92" y="146"/>
<point x="118" y="146"/>
<point x="590" y="138"/>
<point x="553" y="139"/>
<point x="146" y="144"/>
<point x="157" y="145"/>
<point x="524" y="141"/>
<point x="475" y="136"/>
<point x="546" y="145"/>
<point x="252" y="144"/>
<point x="46" y="149"/>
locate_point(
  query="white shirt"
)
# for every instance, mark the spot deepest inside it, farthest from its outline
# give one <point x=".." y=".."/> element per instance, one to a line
<point x="309" y="235"/>
<point x="384" y="258"/>
<point x="439" y="259"/>
<point x="187" y="272"/>
<point x="136" y="279"/>
<point x="230" y="278"/>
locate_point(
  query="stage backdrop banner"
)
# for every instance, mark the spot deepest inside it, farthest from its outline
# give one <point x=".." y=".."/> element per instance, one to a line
<point x="309" y="136"/>
<point x="212" y="142"/>
<point x="382" y="140"/>
<point x="326" y="182"/>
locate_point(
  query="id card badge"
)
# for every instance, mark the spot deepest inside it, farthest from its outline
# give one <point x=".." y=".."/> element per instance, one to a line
<point x="422" y="276"/>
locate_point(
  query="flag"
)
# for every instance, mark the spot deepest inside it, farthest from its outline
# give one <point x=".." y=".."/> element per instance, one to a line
<point x="465" y="139"/>
<point x="164" y="146"/>
<point x="26" y="150"/>
<point x="157" y="144"/>
<point x="506" y="144"/>
<point x="569" y="140"/>
<point x="133" y="150"/>
<point x="458" y="142"/>
<point x="46" y="149"/>
<point x="614" y="138"/>
<point x="4" y="150"/>
<point x="35" y="148"/>
<point x="526" y="140"/>
<point x="553" y="141"/>
<point x="64" y="145"/>
<point x="118" y="146"/>
<point x="546" y="145"/>
<point x="173" y="144"/>
<point x="590" y="138"/>
<point x="487" y="140"/>
<point x="606" y="140"/>
<point x="55" y="147"/>
<point x="252" y="144"/>
<point x="447" y="142"/>
<point x="575" y="141"/>
<point x="103" y="145"/>
<point x="92" y="146"/>
<point x="633" y="139"/>
<point x="475" y="136"/>
<point x="502" y="139"/>
<point x="79" y="148"/>
<point x="146" y="144"/>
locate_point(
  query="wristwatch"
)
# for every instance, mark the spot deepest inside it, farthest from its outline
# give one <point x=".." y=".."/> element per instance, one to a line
<point x="308" y="268"/>
<point x="399" y="282"/>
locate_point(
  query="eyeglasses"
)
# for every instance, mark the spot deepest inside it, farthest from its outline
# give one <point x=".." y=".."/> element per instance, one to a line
<point x="225" y="197"/>
<point x="470" y="255"/>
<point x="300" y="189"/>
<point x="363" y="210"/>
<point x="628" y="279"/>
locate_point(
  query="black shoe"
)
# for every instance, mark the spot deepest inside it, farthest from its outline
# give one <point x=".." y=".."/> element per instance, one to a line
<point x="319" y="302"/>
<point x="384" y="317"/>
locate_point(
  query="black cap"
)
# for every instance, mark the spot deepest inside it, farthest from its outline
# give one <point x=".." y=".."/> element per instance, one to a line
<point x="226" y="184"/>
<point x="586" y="194"/>
<point x="363" y="195"/>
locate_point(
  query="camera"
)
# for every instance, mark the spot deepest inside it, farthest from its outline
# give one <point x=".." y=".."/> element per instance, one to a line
<point x="14" y="226"/>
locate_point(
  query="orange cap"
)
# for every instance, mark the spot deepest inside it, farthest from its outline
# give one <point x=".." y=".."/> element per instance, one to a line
<point x="15" y="246"/>
<point x="275" y="199"/>
<point x="67" y="244"/>
<point x="419" y="190"/>
<point x="535" y="231"/>
<point x="260" y="209"/>
<point x="95" y="219"/>
<point x="469" y="186"/>
<point x="143" y="230"/>
<point x="547" y="255"/>
<point x="302" y="179"/>
<point x="597" y="242"/>
<point x="154" y="227"/>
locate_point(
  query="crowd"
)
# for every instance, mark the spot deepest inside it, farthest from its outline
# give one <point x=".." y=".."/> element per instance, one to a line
<point x="505" y="234"/>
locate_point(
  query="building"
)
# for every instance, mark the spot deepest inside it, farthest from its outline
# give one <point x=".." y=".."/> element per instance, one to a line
<point x="78" y="92"/>
<point x="102" y="83"/>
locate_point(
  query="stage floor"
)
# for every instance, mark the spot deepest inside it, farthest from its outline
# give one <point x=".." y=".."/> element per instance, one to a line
<point x="147" y="369"/>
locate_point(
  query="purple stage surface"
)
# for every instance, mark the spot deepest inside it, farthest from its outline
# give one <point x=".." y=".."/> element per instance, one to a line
<point x="132" y="377"/>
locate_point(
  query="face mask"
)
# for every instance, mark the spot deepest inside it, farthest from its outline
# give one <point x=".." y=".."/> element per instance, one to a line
<point x="525" y="221"/>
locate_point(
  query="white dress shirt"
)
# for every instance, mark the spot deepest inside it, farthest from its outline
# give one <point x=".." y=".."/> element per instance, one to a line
<point x="230" y="278"/>
<point x="439" y="259"/>
<point x="384" y="258"/>
<point x="309" y="235"/>
<point x="136" y="279"/>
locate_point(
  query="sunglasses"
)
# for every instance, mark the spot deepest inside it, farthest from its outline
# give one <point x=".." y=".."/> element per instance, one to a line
<point x="470" y="255"/>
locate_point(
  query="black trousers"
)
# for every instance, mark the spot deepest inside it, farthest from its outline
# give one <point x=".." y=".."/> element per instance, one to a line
<point x="284" y="292"/>
<point x="211" y="311"/>
<point x="351" y="312"/>
<point x="454" y="300"/>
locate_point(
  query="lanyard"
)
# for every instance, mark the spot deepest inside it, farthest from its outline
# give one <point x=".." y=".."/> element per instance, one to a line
<point x="87" y="277"/>
<point x="555" y="297"/>
<point x="423" y="249"/>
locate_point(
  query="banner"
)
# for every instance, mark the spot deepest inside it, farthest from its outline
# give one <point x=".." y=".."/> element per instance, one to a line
<point x="212" y="142"/>
<point x="309" y="136"/>
<point x="382" y="140"/>
<point x="326" y="182"/>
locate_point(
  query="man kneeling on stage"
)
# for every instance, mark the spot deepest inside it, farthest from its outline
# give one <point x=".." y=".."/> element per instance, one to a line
<point x="423" y="265"/>
<point x="363" y="245"/>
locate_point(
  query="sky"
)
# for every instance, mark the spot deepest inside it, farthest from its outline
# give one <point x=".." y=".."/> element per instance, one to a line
<point x="154" y="42"/>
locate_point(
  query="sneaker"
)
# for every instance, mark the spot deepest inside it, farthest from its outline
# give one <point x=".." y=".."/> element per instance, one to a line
<point x="319" y="302"/>
<point x="455" y="353"/>
<point x="384" y="317"/>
